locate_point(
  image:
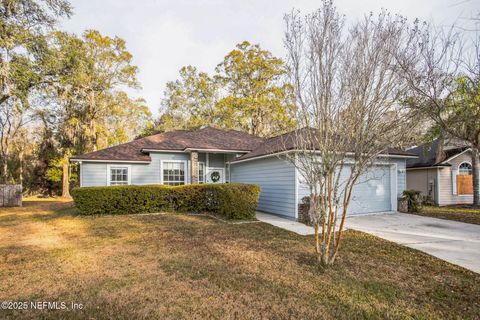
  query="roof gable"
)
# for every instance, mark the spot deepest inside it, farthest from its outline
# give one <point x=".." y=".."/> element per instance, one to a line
<point x="434" y="155"/>
<point x="458" y="152"/>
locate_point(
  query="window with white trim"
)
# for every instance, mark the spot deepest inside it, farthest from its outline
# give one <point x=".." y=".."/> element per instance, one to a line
<point x="173" y="173"/>
<point x="201" y="172"/>
<point x="118" y="176"/>
<point x="465" y="169"/>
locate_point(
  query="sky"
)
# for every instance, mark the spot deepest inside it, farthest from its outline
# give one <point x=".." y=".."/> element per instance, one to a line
<point x="165" y="35"/>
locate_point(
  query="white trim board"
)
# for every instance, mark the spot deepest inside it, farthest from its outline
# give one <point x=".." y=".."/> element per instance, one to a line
<point x="109" y="161"/>
<point x="81" y="174"/>
<point x="453" y="176"/>
<point x="217" y="150"/>
<point x="297" y="183"/>
<point x="195" y="149"/>
<point x="458" y="154"/>
<point x="224" y="169"/>
<point x="297" y="151"/>
<point x="430" y="167"/>
<point x="437" y="186"/>
<point x="394" y="186"/>
<point x="204" y="171"/>
<point x="162" y="150"/>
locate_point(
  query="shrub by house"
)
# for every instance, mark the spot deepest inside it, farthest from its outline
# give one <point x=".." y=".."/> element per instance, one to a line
<point x="231" y="201"/>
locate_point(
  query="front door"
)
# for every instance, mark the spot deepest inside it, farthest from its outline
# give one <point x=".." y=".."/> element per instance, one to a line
<point x="216" y="175"/>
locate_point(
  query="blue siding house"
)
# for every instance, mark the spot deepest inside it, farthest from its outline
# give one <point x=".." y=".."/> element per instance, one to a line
<point x="210" y="155"/>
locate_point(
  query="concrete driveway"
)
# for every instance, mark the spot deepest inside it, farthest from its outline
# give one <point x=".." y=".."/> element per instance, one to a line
<point x="455" y="242"/>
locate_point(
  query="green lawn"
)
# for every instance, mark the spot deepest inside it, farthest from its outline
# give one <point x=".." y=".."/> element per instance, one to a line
<point x="180" y="266"/>
<point x="458" y="213"/>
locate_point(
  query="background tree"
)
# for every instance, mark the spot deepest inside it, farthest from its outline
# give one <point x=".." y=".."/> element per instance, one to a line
<point x="348" y="92"/>
<point x="443" y="74"/>
<point x="43" y="150"/>
<point x="190" y="102"/>
<point x="257" y="99"/>
<point x="89" y="108"/>
<point x="60" y="94"/>
<point x="23" y="25"/>
<point x="247" y="93"/>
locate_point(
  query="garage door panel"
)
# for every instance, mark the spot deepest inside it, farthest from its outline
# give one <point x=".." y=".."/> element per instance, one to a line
<point x="371" y="193"/>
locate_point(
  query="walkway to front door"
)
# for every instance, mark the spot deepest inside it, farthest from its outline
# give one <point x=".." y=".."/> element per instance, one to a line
<point x="284" y="223"/>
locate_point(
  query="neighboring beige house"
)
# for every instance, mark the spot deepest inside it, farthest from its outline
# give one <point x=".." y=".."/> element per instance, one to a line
<point x="442" y="172"/>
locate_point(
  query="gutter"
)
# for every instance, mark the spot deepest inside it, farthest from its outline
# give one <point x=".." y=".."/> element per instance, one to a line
<point x="108" y="161"/>
<point x="428" y="167"/>
<point x="145" y="150"/>
<point x="217" y="150"/>
<point x="288" y="151"/>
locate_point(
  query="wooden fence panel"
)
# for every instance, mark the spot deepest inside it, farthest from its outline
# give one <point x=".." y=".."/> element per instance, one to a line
<point x="464" y="184"/>
<point x="10" y="195"/>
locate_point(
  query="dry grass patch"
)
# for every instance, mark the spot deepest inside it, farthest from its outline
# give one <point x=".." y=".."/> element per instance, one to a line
<point x="180" y="266"/>
<point x="462" y="213"/>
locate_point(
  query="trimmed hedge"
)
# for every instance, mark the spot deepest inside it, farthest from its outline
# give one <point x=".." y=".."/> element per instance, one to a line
<point x="231" y="201"/>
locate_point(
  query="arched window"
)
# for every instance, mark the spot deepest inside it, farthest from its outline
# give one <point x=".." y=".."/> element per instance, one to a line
<point x="465" y="169"/>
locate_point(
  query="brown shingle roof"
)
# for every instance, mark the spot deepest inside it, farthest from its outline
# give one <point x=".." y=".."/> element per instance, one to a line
<point x="205" y="138"/>
<point x="287" y="142"/>
<point x="273" y="145"/>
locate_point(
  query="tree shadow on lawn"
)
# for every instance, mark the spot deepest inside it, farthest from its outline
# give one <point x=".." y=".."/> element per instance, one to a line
<point x="36" y="211"/>
<point x="364" y="265"/>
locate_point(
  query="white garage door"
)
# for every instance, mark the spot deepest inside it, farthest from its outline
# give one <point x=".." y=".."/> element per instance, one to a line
<point x="371" y="194"/>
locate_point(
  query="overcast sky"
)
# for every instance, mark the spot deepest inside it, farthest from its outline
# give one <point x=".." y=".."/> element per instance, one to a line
<point x="165" y="35"/>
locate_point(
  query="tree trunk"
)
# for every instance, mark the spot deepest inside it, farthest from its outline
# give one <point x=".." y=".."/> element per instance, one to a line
<point x="476" y="178"/>
<point x="5" y="167"/>
<point x="317" y="240"/>
<point x="312" y="214"/>
<point x="21" y="168"/>
<point x="65" y="179"/>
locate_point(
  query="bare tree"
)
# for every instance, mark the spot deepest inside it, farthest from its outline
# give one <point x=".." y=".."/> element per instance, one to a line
<point x="348" y="91"/>
<point x="443" y="76"/>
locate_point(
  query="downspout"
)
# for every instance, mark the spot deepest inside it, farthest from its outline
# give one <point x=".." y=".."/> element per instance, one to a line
<point x="81" y="173"/>
<point x="296" y="188"/>
<point x="437" y="187"/>
<point x="207" y="166"/>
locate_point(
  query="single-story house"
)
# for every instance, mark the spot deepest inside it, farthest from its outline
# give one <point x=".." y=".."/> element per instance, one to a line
<point x="442" y="172"/>
<point x="211" y="155"/>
